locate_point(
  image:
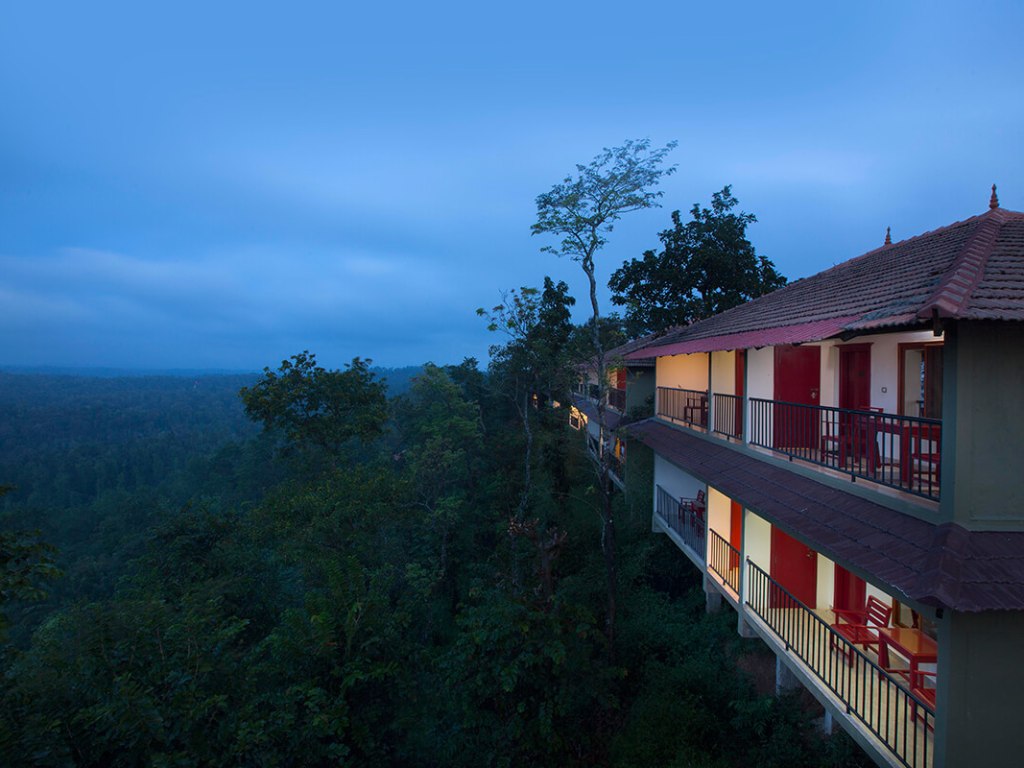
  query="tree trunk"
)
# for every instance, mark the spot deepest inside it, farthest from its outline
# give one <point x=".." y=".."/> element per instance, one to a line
<point x="608" y="539"/>
<point x="524" y="499"/>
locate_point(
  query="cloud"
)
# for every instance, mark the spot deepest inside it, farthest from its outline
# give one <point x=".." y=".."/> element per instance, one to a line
<point x="241" y="300"/>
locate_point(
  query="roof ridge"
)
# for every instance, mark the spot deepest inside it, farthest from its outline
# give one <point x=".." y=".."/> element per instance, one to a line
<point x="957" y="285"/>
<point x="928" y="233"/>
<point x="847" y="262"/>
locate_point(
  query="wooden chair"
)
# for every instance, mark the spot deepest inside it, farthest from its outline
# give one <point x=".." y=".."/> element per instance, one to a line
<point x="926" y="457"/>
<point x="851" y="436"/>
<point x="694" y="509"/>
<point x="860" y="627"/>
<point x="699" y="509"/>
<point x="833" y="441"/>
<point x="864" y="436"/>
<point x="696" y="411"/>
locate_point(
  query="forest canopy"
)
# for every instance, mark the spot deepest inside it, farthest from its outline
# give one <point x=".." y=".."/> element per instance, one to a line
<point x="224" y="603"/>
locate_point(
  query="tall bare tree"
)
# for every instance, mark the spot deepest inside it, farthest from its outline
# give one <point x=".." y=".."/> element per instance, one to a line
<point x="582" y="211"/>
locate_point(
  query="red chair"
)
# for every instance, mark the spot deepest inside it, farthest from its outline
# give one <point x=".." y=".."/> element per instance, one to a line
<point x="926" y="457"/>
<point x="860" y="627"/>
<point x="694" y="510"/>
<point x="918" y="683"/>
<point x="865" y="438"/>
<point x="851" y="436"/>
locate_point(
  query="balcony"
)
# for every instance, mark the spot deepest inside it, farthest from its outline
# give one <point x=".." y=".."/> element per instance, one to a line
<point x="684" y="517"/>
<point x="901" y="722"/>
<point x="617" y="398"/>
<point x="901" y="452"/>
<point x="689" y="406"/>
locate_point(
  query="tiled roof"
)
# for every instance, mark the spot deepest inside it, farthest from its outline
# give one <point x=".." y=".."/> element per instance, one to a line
<point x="586" y="406"/>
<point x="973" y="269"/>
<point x="786" y="334"/>
<point x="623" y="351"/>
<point x="942" y="565"/>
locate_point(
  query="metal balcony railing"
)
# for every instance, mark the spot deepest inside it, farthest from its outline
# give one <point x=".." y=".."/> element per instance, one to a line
<point x="900" y="720"/>
<point x="728" y="418"/>
<point x="901" y="452"/>
<point x="685" y="517"/>
<point x="689" y="406"/>
<point x="724" y="559"/>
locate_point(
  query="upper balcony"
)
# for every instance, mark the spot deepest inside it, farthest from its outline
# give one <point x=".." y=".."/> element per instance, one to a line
<point x="869" y="410"/>
<point x="614" y="391"/>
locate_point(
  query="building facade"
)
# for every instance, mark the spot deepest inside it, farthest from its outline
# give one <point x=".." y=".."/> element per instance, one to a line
<point x="844" y="461"/>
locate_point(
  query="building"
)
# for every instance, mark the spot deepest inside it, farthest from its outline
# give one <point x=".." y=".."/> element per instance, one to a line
<point x="856" y="440"/>
<point x="628" y="391"/>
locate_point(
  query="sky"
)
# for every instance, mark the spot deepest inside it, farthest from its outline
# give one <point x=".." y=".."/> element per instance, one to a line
<point x="222" y="185"/>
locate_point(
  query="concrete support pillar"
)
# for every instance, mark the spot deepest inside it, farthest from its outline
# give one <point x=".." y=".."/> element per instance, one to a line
<point x="712" y="597"/>
<point x="827" y="723"/>
<point x="743" y="628"/>
<point x="785" y="680"/>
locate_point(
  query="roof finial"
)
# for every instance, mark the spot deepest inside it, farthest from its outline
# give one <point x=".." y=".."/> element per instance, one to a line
<point x="888" y="236"/>
<point x="993" y="202"/>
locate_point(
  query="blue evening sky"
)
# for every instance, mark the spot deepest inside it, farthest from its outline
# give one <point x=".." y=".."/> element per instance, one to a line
<point x="225" y="184"/>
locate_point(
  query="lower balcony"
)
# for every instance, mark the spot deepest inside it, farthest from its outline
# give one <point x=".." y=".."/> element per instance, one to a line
<point x="724" y="563"/>
<point x="685" y="519"/>
<point x="882" y="700"/>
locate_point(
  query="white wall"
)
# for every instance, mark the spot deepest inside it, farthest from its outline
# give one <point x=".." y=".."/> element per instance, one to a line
<point x="885" y="367"/>
<point x="826" y="582"/>
<point x="828" y="392"/>
<point x="683" y="371"/>
<point x="761" y="373"/>
<point x="885" y="597"/>
<point x="674" y="480"/>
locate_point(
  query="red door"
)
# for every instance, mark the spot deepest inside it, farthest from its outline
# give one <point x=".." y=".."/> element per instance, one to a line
<point x="850" y="590"/>
<point x="856" y="433"/>
<point x="795" y="566"/>
<point x="735" y="533"/>
<point x="797" y="380"/>
<point x="855" y="376"/>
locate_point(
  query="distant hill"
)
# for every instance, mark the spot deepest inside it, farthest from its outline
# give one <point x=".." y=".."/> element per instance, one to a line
<point x="398" y="379"/>
<point x="123" y="373"/>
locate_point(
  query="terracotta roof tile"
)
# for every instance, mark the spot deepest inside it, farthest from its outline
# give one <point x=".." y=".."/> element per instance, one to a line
<point x="972" y="269"/>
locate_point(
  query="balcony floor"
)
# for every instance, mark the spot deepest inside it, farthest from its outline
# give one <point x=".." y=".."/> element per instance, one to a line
<point x="886" y="477"/>
<point x="881" y="707"/>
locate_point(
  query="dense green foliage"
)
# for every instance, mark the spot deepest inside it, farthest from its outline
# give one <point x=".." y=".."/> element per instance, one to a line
<point x="706" y="266"/>
<point x="388" y="606"/>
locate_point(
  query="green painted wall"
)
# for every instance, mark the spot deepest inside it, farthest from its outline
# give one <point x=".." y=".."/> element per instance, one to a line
<point x="639" y="479"/>
<point x="987" y="423"/>
<point x="981" y="674"/>
<point x="640" y="392"/>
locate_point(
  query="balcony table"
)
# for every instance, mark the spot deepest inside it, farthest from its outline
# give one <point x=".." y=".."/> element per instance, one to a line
<point x="912" y="644"/>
